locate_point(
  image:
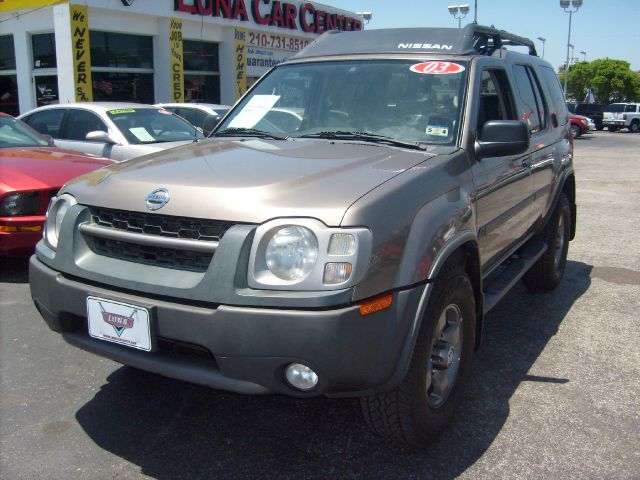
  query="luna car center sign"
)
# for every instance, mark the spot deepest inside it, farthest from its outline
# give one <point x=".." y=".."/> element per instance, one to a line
<point x="305" y="17"/>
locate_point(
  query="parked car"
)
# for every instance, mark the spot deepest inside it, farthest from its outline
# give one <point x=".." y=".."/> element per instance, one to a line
<point x="352" y="254"/>
<point x="622" y="115"/>
<point x="580" y="125"/>
<point x="205" y="116"/>
<point x="32" y="171"/>
<point x="114" y="130"/>
<point x="594" y="111"/>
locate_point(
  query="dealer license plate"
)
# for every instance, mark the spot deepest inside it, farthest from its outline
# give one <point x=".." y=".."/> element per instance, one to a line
<point x="119" y="322"/>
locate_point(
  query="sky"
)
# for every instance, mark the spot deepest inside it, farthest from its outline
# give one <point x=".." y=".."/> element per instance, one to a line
<point x="601" y="28"/>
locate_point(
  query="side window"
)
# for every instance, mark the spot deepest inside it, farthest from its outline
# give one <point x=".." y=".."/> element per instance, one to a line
<point x="529" y="105"/>
<point x="81" y="122"/>
<point x="630" y="108"/>
<point x="496" y="101"/>
<point x="540" y="100"/>
<point x="558" y="107"/>
<point x="47" y="122"/>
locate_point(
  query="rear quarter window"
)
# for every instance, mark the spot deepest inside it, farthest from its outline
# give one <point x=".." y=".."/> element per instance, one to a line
<point x="556" y="97"/>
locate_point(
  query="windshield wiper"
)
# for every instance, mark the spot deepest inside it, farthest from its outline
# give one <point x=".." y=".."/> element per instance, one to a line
<point x="366" y="136"/>
<point x="246" y="132"/>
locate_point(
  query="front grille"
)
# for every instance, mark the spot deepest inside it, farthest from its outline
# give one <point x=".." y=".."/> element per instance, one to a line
<point x="150" y="255"/>
<point x="153" y="225"/>
<point x="162" y="225"/>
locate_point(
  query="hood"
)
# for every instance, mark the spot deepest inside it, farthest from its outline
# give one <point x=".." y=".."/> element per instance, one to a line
<point x="37" y="168"/>
<point x="250" y="180"/>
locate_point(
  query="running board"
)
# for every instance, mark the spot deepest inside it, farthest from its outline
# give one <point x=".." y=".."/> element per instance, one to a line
<point x="503" y="278"/>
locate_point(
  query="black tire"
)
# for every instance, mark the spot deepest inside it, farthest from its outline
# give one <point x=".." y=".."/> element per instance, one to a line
<point x="575" y="130"/>
<point x="634" y="127"/>
<point x="547" y="272"/>
<point x="599" y="128"/>
<point x="612" y="129"/>
<point x="410" y="412"/>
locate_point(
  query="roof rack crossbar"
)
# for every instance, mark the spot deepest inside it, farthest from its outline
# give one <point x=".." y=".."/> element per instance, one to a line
<point x="486" y="40"/>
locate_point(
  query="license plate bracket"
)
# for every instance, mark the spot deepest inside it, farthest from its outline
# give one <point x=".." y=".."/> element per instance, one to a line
<point x="120" y="322"/>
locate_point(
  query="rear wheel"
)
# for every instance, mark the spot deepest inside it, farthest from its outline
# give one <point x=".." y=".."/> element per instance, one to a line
<point x="547" y="272"/>
<point x="421" y="406"/>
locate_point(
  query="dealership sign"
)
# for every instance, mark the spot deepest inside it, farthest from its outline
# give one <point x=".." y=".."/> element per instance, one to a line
<point x="305" y="17"/>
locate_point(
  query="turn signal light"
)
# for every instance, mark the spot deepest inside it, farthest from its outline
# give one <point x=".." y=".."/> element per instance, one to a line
<point x="376" y="304"/>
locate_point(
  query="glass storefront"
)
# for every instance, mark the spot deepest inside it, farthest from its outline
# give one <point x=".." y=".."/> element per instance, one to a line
<point x="46" y="89"/>
<point x="44" y="50"/>
<point x="123" y="87"/>
<point x="122" y="67"/>
<point x="120" y="50"/>
<point x="201" y="71"/>
<point x="8" y="81"/>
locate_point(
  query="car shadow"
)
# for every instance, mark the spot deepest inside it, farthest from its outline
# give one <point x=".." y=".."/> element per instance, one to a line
<point x="172" y="429"/>
<point x="14" y="269"/>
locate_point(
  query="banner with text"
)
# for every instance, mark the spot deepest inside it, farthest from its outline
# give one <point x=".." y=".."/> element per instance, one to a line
<point x="240" y="61"/>
<point x="177" y="62"/>
<point x="7" y="5"/>
<point x="81" y="53"/>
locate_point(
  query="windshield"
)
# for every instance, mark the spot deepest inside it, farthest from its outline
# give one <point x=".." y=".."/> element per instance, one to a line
<point x="14" y="133"/>
<point x="150" y="125"/>
<point x="403" y="100"/>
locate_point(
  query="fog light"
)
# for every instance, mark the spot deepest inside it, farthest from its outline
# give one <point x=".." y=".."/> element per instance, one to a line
<point x="301" y="377"/>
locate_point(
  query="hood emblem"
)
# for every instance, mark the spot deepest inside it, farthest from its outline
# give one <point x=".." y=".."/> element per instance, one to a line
<point x="158" y="198"/>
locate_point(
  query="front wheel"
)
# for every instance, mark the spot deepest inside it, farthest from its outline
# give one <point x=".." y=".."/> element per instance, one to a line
<point x="547" y="272"/>
<point x="422" y="405"/>
<point x="634" y="126"/>
<point x="575" y="130"/>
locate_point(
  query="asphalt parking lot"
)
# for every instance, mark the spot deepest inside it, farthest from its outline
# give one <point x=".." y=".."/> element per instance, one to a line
<point x="555" y="391"/>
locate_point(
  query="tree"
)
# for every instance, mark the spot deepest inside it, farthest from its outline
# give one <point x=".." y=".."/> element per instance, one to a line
<point x="610" y="80"/>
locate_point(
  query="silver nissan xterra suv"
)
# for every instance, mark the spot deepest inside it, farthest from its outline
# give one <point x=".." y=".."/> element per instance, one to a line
<point x="342" y="233"/>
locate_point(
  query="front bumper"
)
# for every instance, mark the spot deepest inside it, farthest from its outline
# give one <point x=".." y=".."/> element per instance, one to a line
<point x="239" y="348"/>
<point x="19" y="235"/>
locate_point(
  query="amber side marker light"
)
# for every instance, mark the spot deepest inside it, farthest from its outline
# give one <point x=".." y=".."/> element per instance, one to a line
<point x="375" y="304"/>
<point x="5" y="228"/>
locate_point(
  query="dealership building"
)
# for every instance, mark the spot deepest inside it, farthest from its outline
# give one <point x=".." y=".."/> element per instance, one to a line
<point x="149" y="51"/>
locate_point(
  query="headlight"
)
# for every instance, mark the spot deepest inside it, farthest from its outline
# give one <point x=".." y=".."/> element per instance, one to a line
<point x="304" y="254"/>
<point x="58" y="208"/>
<point x="292" y="252"/>
<point x="20" y="203"/>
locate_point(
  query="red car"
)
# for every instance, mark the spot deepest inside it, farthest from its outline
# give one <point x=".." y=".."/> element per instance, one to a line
<point x="32" y="171"/>
<point x="579" y="125"/>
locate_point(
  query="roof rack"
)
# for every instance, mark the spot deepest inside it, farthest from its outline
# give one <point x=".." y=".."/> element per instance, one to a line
<point x="472" y="39"/>
<point x="486" y="40"/>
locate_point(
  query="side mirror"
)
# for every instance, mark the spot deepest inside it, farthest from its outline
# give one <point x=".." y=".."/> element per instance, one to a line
<point x="499" y="138"/>
<point x="101" y="137"/>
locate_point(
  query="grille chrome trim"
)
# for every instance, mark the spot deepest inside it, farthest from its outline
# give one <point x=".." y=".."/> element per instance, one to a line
<point x="149" y="240"/>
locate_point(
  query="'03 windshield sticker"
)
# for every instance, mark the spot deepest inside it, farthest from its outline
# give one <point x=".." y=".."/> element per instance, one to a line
<point x="437" y="131"/>
<point x="437" y="68"/>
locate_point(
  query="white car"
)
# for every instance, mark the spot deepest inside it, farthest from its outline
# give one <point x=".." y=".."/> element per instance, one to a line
<point x="202" y="115"/>
<point x="115" y="130"/>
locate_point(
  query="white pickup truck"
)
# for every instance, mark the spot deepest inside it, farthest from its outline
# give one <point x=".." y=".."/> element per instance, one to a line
<point x="622" y="115"/>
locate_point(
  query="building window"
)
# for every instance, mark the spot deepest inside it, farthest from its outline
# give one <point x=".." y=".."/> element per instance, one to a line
<point x="8" y="81"/>
<point x="45" y="73"/>
<point x="46" y="89"/>
<point x="201" y="71"/>
<point x="122" y="67"/>
<point x="44" y="50"/>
